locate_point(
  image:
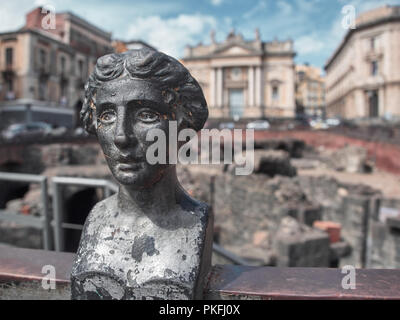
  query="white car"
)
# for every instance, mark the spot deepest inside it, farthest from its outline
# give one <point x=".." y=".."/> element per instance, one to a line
<point x="332" y="122"/>
<point x="258" y="125"/>
<point x="32" y="129"/>
<point x="318" y="124"/>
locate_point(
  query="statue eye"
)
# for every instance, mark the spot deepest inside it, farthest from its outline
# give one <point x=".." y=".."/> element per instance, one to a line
<point x="148" y="116"/>
<point x="108" y="117"/>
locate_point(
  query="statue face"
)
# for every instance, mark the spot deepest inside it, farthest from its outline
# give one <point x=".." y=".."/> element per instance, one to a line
<point x="126" y="109"/>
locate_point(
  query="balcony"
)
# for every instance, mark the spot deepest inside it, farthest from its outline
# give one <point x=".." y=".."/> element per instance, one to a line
<point x="21" y="277"/>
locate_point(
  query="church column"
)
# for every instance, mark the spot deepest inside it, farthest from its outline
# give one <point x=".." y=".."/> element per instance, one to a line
<point x="220" y="99"/>
<point x="213" y="88"/>
<point x="258" y="86"/>
<point x="381" y="102"/>
<point x="251" y="87"/>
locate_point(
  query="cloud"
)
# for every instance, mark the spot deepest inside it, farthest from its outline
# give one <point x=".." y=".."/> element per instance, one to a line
<point x="307" y="6"/>
<point x="11" y="15"/>
<point x="42" y="3"/>
<point x="171" y="35"/>
<point x="364" y="5"/>
<point x="108" y="15"/>
<point x="309" y="44"/>
<point x="216" y="2"/>
<point x="261" y="5"/>
<point x="284" y="7"/>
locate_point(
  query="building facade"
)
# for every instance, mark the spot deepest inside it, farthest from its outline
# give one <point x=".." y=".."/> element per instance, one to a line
<point x="245" y="79"/>
<point x="363" y="74"/>
<point x="50" y="64"/>
<point x="122" y="46"/>
<point x="310" y="90"/>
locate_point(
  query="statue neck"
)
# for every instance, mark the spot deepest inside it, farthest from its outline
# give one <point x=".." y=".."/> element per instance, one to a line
<point x="159" y="199"/>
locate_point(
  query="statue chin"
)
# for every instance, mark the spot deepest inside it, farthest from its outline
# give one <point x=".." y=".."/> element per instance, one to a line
<point x="138" y="175"/>
<point x="129" y="178"/>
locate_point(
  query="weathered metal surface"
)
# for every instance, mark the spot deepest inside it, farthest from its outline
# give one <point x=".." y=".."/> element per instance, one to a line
<point x="271" y="283"/>
<point x="151" y="240"/>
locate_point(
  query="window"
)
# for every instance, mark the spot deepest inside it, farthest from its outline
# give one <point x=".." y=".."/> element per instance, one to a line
<point x="374" y="68"/>
<point x="9" y="56"/>
<point x="80" y="67"/>
<point x="62" y="65"/>
<point x="10" y="85"/>
<point x="236" y="73"/>
<point x="43" y="58"/>
<point x="372" y="42"/>
<point x="63" y="90"/>
<point x="42" y="89"/>
<point x="236" y="103"/>
<point x="373" y="102"/>
<point x="275" y="92"/>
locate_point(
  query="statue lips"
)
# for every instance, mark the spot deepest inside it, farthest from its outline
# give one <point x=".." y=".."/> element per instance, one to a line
<point x="128" y="163"/>
<point x="129" y="166"/>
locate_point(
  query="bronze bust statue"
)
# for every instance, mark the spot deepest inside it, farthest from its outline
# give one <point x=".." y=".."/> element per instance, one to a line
<point x="151" y="240"/>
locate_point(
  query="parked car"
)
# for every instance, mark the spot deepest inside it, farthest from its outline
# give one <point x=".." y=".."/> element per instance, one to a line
<point x="26" y="129"/>
<point x="318" y="124"/>
<point x="58" y="132"/>
<point x="80" y="132"/>
<point x="332" y="122"/>
<point x="258" y="125"/>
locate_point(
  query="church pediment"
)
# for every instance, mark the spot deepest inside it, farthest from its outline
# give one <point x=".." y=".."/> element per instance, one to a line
<point x="235" y="50"/>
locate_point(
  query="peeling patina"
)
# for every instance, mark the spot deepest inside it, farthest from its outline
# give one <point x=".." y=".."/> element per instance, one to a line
<point x="151" y="240"/>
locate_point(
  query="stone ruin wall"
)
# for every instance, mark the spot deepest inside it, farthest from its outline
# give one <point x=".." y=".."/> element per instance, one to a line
<point x="249" y="209"/>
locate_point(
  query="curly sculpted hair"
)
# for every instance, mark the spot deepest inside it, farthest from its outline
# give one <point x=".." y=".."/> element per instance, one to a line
<point x="180" y="90"/>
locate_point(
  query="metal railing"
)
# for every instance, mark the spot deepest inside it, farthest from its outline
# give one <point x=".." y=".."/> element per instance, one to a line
<point x="42" y="222"/>
<point x="58" y="223"/>
<point x="58" y="206"/>
<point x="21" y="272"/>
<point x="109" y="187"/>
<point x="231" y="257"/>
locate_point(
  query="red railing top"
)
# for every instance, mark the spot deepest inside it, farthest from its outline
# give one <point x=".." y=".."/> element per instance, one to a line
<point x="301" y="283"/>
<point x="229" y="281"/>
<point x="18" y="264"/>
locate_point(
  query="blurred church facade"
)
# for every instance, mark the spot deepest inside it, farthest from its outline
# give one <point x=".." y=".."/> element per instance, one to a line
<point x="245" y="79"/>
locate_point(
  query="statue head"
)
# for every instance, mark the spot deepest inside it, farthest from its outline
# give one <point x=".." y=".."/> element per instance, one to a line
<point x="131" y="93"/>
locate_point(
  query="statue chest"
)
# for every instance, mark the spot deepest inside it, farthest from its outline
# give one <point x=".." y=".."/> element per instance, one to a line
<point x="126" y="260"/>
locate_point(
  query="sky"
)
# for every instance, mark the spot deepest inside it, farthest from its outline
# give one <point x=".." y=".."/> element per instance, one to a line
<point x="315" y="26"/>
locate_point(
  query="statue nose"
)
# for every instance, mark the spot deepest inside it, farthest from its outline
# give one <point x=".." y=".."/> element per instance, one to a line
<point x="123" y="133"/>
<point x="121" y="140"/>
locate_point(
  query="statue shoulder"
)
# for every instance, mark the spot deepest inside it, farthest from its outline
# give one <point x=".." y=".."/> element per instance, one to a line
<point x="100" y="213"/>
<point x="103" y="208"/>
<point x="188" y="203"/>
